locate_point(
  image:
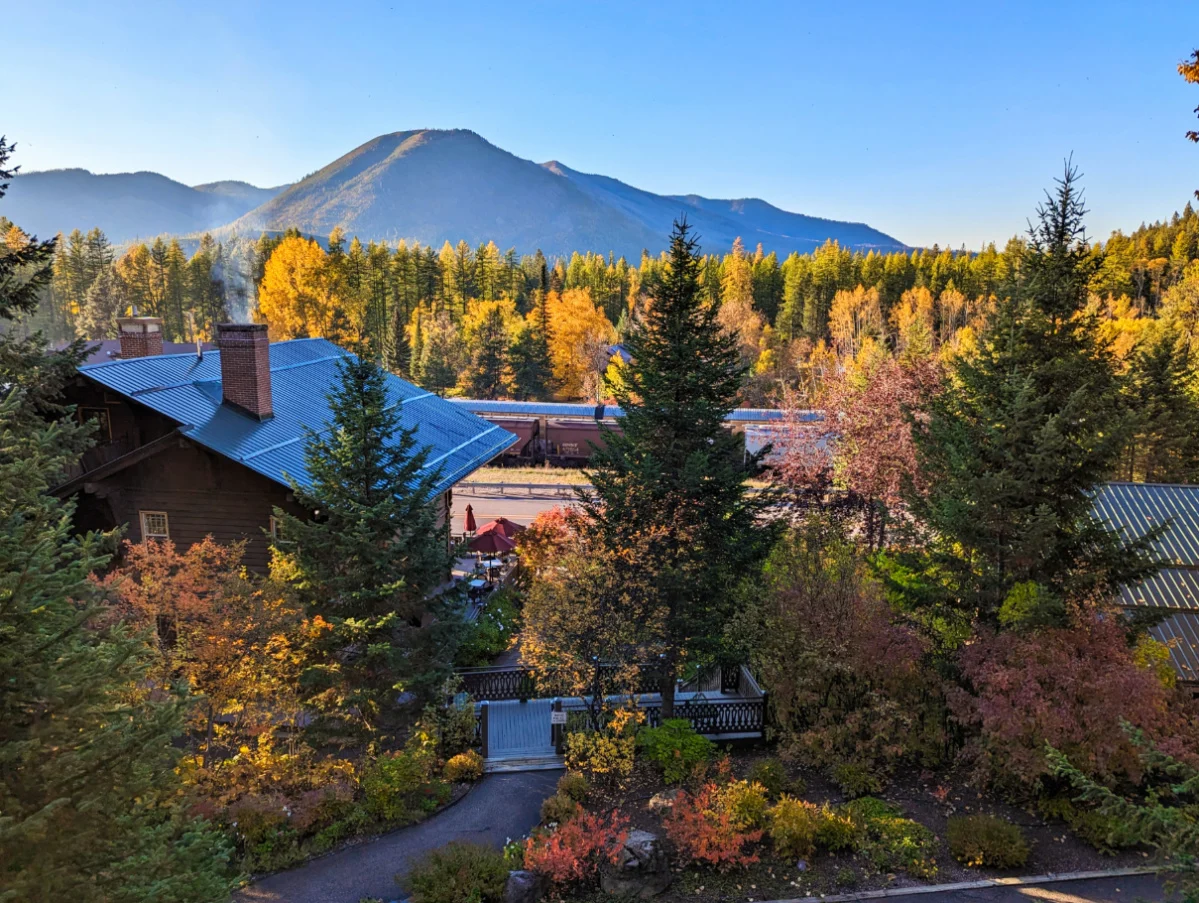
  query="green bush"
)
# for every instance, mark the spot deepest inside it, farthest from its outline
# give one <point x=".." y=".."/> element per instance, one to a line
<point x="675" y="748"/>
<point x="868" y="808"/>
<point x="394" y="786"/>
<point x="558" y="809"/>
<point x="793" y="827"/>
<point x="986" y="841"/>
<point x="491" y="633"/>
<point x="1105" y="833"/>
<point x="836" y="830"/>
<point x="900" y="843"/>
<point x="573" y="786"/>
<point x="855" y="779"/>
<point x="744" y="803"/>
<point x="604" y="757"/>
<point x="845" y="877"/>
<point x="458" y="873"/>
<point x="771" y="775"/>
<point x="467" y="766"/>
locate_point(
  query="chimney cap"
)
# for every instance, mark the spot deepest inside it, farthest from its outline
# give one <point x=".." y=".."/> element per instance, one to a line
<point x="139" y="324"/>
<point x="223" y="328"/>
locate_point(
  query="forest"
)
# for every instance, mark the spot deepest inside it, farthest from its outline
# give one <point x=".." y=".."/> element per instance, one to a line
<point x="488" y="323"/>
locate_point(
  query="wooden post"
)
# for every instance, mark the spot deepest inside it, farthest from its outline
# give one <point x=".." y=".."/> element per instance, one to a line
<point x="483" y="726"/>
<point x="557" y="731"/>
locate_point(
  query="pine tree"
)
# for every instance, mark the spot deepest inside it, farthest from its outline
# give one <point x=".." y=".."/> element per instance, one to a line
<point x="673" y="483"/>
<point x="105" y="302"/>
<point x="1026" y="428"/>
<point x="91" y="807"/>
<point x="1164" y="447"/>
<point x="487" y="335"/>
<point x="368" y="559"/>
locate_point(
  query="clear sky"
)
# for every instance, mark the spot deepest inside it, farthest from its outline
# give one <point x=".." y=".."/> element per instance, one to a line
<point x="936" y="122"/>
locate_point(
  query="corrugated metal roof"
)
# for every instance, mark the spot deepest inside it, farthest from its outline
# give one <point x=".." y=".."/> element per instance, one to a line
<point x="1176" y="588"/>
<point x="1181" y="633"/>
<point x="187" y="389"/>
<point x="1138" y="507"/>
<point x="566" y="409"/>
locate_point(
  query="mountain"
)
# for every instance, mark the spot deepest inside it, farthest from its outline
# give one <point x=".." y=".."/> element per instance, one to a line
<point x="718" y="223"/>
<point x="125" y="205"/>
<point x="436" y="186"/>
<point x="427" y="185"/>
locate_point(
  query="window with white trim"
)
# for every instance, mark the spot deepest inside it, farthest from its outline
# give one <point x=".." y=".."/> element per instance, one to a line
<point x="155" y="525"/>
<point x="277" y="531"/>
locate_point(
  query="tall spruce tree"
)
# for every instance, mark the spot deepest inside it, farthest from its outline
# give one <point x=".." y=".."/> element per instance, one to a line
<point x="1164" y="446"/>
<point x="91" y="807"/>
<point x="1026" y="428"/>
<point x="369" y="557"/>
<point x="673" y="482"/>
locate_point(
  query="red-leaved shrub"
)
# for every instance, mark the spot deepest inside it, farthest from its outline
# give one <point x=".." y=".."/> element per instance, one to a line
<point x="1071" y="688"/>
<point x="576" y="850"/>
<point x="701" y="833"/>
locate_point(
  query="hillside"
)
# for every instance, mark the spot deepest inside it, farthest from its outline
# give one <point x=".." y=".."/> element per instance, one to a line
<point x="125" y="205"/>
<point x="719" y="222"/>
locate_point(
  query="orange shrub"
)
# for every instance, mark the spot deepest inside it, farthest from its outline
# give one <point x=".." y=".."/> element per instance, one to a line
<point x="704" y="834"/>
<point x="575" y="851"/>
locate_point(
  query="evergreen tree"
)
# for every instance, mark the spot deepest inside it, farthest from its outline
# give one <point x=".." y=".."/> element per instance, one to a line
<point x="1164" y="447"/>
<point x="672" y="485"/>
<point x="532" y="372"/>
<point x="370" y="556"/>
<point x="91" y="807"/>
<point x="105" y="302"/>
<point x="1013" y="448"/>
<point x="487" y="337"/>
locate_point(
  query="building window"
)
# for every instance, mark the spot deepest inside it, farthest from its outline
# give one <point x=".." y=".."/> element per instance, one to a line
<point x="277" y="533"/>
<point x="155" y="526"/>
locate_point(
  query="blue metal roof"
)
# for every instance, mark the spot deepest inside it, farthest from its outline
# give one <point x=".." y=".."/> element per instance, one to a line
<point x="187" y="389"/>
<point x="561" y="409"/>
<point x="1138" y="507"/>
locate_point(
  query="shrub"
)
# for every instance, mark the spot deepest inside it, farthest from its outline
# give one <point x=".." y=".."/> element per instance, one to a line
<point x="986" y="841"/>
<point x="514" y="855"/>
<point x="1106" y="833"/>
<point x="867" y="808"/>
<point x="771" y="775"/>
<point x="575" y="850"/>
<point x="702" y="834"/>
<point x="394" y="785"/>
<point x="466" y="766"/>
<point x="492" y="631"/>
<point x="900" y="843"/>
<point x="602" y="756"/>
<point x="856" y="779"/>
<point x="1072" y="688"/>
<point x="574" y="786"/>
<point x="258" y="818"/>
<point x="745" y="803"/>
<point x="558" y="809"/>
<point x="793" y="827"/>
<point x="459" y="873"/>
<point x="845" y="877"/>
<point x="836" y="830"/>
<point x="675" y="748"/>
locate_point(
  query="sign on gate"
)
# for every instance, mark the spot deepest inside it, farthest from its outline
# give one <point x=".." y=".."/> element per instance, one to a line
<point x="557" y="717"/>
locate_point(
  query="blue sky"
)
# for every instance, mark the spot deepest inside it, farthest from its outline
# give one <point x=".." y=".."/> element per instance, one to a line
<point x="936" y="122"/>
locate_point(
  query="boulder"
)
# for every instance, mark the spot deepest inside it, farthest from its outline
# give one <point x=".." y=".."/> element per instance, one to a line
<point x="663" y="800"/>
<point x="525" y="887"/>
<point x="641" y="870"/>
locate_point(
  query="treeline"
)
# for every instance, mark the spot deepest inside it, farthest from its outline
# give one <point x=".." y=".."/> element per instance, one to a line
<point x="492" y="323"/>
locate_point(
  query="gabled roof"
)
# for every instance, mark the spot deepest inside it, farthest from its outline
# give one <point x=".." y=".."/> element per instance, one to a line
<point x="187" y="389"/>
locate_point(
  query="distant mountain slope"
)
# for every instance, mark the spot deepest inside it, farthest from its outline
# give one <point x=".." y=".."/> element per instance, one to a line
<point x="244" y="194"/>
<point x="718" y="223"/>
<point x="437" y="186"/>
<point x="125" y="205"/>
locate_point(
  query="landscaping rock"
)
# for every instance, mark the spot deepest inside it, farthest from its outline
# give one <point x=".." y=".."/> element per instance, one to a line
<point x="662" y="801"/>
<point x="525" y="887"/>
<point x="642" y="869"/>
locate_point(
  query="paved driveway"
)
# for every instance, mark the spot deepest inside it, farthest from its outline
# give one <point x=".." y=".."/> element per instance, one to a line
<point x="500" y="806"/>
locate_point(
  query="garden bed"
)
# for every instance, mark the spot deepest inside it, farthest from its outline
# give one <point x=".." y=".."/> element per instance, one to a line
<point x="927" y="799"/>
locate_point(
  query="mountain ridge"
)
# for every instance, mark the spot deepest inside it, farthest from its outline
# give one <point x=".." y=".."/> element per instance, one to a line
<point x="429" y="186"/>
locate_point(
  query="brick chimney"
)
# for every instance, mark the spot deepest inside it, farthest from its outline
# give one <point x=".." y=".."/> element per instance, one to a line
<point x="140" y="336"/>
<point x="246" y="368"/>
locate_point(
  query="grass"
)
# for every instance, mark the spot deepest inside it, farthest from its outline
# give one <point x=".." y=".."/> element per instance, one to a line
<point x="546" y="475"/>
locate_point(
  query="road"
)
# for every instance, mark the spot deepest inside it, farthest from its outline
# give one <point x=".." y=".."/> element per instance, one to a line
<point x="500" y="807"/>
<point x="1124" y="889"/>
<point x="520" y="509"/>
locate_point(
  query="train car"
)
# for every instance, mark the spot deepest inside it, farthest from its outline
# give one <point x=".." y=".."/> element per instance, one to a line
<point x="526" y="428"/>
<point x="569" y="443"/>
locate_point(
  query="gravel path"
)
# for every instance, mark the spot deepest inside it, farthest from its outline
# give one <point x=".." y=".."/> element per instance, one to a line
<point x="499" y="807"/>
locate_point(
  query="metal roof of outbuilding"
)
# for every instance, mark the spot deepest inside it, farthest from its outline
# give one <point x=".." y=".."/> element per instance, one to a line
<point x="187" y="389"/>
<point x="1180" y="632"/>
<point x="568" y="409"/>
<point x="1138" y="507"/>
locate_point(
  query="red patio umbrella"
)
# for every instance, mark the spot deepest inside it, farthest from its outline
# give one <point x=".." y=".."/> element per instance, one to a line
<point x="468" y="525"/>
<point x="502" y="525"/>
<point x="492" y="541"/>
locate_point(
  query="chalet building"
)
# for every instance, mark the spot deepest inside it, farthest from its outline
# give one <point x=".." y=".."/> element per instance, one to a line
<point x="204" y="442"/>
<point x="1174" y="590"/>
